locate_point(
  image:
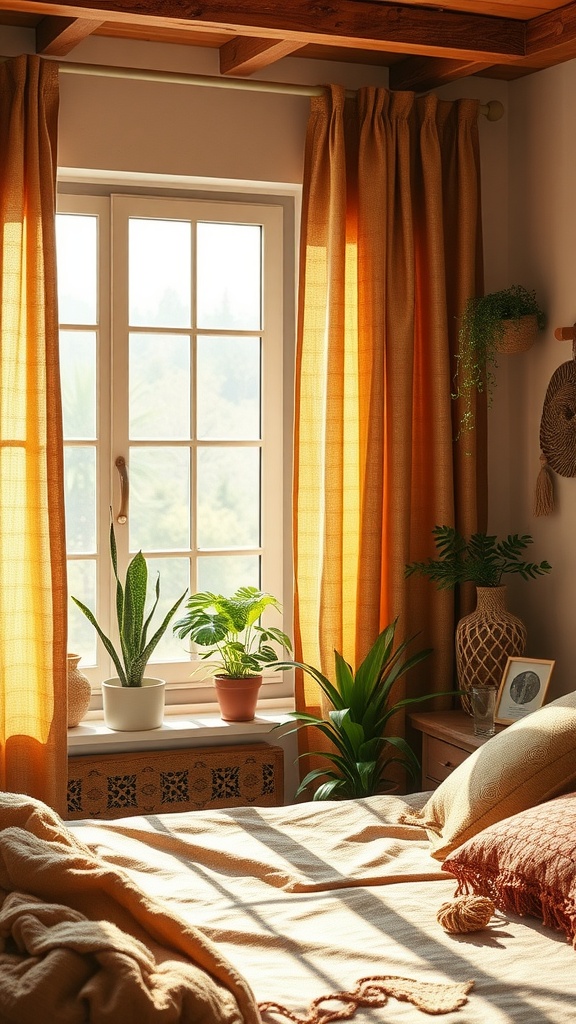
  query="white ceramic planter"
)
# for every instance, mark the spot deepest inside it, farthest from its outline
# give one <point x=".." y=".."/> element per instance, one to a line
<point x="133" y="708"/>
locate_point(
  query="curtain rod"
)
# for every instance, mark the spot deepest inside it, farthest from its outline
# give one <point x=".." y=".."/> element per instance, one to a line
<point x="493" y="110"/>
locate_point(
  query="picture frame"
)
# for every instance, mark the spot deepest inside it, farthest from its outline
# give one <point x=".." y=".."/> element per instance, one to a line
<point x="523" y="688"/>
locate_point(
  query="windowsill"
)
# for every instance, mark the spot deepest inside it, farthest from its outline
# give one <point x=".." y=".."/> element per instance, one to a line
<point x="182" y="727"/>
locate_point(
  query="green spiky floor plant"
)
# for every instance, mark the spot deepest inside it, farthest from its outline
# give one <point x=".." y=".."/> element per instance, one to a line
<point x="362" y="706"/>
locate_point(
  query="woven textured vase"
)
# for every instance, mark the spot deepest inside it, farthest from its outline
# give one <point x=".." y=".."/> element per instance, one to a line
<point x="485" y="640"/>
<point x="79" y="692"/>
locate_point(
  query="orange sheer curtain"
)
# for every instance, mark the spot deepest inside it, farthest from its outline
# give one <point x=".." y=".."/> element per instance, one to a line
<point x="391" y="250"/>
<point x="32" y="540"/>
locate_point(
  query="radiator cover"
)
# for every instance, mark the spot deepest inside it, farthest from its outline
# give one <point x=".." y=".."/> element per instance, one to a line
<point x="161" y="781"/>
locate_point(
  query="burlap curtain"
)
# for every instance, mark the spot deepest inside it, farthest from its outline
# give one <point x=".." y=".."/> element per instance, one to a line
<point x="391" y="250"/>
<point x="32" y="541"/>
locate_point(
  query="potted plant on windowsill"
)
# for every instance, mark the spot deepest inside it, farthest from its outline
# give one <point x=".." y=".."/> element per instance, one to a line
<point x="487" y="637"/>
<point x="506" y="321"/>
<point x="362" y="705"/>
<point x="132" y="701"/>
<point x="237" y="647"/>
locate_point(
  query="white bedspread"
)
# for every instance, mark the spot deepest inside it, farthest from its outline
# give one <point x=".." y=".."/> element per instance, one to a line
<point x="305" y="900"/>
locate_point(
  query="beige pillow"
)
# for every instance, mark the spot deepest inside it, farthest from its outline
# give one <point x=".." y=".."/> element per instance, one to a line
<point x="531" y="761"/>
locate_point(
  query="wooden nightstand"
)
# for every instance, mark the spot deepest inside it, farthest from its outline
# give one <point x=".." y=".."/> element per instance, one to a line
<point x="447" y="740"/>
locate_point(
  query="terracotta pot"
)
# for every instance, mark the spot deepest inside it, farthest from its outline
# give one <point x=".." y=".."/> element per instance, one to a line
<point x="237" y="697"/>
<point x="79" y="691"/>
<point x="518" y="335"/>
<point x="133" y="708"/>
<point x="485" y="640"/>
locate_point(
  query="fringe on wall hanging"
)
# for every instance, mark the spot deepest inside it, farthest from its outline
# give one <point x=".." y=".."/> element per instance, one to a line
<point x="557" y="430"/>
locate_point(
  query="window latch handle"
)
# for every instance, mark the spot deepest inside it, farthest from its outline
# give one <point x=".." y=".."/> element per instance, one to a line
<point x="122" y="516"/>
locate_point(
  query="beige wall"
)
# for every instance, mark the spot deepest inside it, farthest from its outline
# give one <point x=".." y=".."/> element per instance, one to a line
<point x="542" y="228"/>
<point x="529" y="187"/>
<point x="185" y="130"/>
<point x="529" y="175"/>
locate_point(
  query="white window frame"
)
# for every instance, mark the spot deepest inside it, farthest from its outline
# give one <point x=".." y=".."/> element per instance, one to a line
<point x="113" y="209"/>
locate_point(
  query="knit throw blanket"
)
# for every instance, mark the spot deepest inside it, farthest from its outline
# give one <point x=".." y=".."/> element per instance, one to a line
<point x="80" y="942"/>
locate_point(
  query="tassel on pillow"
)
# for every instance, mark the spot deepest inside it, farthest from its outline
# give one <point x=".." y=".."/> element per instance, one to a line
<point x="544" y="497"/>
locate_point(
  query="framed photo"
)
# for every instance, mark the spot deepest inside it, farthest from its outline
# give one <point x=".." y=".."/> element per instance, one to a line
<point x="523" y="688"/>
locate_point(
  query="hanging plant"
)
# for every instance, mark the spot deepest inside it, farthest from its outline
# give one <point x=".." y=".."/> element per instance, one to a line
<point x="491" y="324"/>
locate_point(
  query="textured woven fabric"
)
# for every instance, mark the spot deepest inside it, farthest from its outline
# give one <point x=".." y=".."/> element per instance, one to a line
<point x="531" y="761"/>
<point x="32" y="531"/>
<point x="525" y="864"/>
<point x="391" y="250"/>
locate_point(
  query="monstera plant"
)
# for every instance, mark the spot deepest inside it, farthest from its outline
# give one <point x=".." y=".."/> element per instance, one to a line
<point x="237" y="647"/>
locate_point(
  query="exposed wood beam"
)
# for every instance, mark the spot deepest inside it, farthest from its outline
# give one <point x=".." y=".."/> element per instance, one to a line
<point x="356" y="24"/>
<point x="551" y="38"/>
<point x="423" y="73"/>
<point x="244" y="56"/>
<point x="55" y="37"/>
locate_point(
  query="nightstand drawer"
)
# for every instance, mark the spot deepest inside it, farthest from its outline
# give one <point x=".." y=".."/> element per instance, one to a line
<point x="441" y="758"/>
<point x="447" y="740"/>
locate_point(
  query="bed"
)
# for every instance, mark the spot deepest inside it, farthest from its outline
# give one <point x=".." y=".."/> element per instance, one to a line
<point x="233" y="916"/>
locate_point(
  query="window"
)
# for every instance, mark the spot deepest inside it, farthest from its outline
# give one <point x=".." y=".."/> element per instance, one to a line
<point x="171" y="335"/>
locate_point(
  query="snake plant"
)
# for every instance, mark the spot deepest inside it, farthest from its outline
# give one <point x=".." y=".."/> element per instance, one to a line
<point x="135" y="648"/>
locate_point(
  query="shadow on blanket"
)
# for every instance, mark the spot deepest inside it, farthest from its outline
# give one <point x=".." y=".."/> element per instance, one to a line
<point x="81" y="943"/>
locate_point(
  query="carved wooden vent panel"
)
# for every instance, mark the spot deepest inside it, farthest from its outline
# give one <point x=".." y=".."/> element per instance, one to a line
<point x="161" y="781"/>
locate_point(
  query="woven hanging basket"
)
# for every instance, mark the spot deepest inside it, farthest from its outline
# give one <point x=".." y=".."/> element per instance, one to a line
<point x="485" y="640"/>
<point x="558" y="423"/>
<point x="518" y="335"/>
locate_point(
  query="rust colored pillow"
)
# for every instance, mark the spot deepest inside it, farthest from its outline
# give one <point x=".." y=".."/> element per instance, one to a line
<point x="526" y="864"/>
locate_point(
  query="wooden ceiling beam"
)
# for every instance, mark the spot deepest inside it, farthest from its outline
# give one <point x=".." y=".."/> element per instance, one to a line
<point x="246" y="56"/>
<point x="355" y="24"/>
<point x="551" y="38"/>
<point x="55" y="37"/>
<point x="423" y="73"/>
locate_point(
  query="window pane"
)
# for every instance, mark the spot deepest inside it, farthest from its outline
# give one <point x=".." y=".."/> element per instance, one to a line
<point x="159" y="514"/>
<point x="76" y="251"/>
<point x="224" y="574"/>
<point x="228" y="393"/>
<point x="159" y="269"/>
<point x="82" y="584"/>
<point x="159" y="387"/>
<point x="174" y="579"/>
<point x="80" y="499"/>
<point x="78" y="378"/>
<point x="228" y="498"/>
<point x="229" y="276"/>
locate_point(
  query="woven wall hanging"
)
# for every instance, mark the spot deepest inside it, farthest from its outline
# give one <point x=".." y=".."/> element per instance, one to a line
<point x="557" y="435"/>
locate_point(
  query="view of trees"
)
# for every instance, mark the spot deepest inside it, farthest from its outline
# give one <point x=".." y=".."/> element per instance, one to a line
<point x="193" y="409"/>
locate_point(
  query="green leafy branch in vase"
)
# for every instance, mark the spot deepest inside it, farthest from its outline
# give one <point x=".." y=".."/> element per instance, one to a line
<point x="483" y="559"/>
